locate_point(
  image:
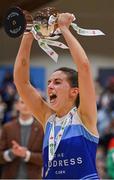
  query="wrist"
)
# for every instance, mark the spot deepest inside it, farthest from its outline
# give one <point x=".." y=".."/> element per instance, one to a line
<point x="27" y="156"/>
<point x="28" y="35"/>
<point x="8" y="155"/>
<point x="64" y="29"/>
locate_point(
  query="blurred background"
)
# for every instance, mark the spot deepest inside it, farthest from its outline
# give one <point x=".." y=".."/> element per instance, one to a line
<point x="100" y="50"/>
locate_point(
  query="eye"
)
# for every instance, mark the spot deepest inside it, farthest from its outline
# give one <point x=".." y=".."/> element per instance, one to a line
<point x="57" y="82"/>
<point x="48" y="83"/>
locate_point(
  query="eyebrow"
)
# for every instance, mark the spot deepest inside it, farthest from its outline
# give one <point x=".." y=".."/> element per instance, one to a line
<point x="55" y="80"/>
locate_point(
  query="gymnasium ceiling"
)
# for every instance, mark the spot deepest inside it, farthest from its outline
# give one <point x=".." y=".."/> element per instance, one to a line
<point x="90" y="14"/>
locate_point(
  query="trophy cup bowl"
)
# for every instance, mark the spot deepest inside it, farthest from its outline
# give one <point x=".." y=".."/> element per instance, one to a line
<point x="45" y="21"/>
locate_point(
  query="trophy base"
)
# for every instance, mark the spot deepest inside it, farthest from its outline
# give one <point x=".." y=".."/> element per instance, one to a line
<point x="14" y="22"/>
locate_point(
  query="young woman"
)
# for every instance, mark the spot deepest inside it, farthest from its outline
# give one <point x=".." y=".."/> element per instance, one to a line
<point x="71" y="135"/>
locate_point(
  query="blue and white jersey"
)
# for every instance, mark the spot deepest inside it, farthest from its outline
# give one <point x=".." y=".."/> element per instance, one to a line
<point x="75" y="157"/>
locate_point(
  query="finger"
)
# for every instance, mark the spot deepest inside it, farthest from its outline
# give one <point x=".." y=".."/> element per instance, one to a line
<point x="15" y="144"/>
<point x="73" y="16"/>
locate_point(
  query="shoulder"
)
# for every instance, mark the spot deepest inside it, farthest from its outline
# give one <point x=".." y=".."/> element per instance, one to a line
<point x="88" y="123"/>
<point x="10" y="125"/>
<point x="49" y="121"/>
<point x="38" y="124"/>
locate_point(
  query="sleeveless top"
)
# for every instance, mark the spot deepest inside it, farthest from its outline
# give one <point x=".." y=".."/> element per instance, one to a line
<point x="75" y="157"/>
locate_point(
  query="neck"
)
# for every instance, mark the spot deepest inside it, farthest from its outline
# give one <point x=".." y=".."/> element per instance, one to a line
<point x="24" y="116"/>
<point x="64" y="111"/>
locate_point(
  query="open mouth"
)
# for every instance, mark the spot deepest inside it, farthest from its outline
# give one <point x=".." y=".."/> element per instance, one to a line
<point x="52" y="98"/>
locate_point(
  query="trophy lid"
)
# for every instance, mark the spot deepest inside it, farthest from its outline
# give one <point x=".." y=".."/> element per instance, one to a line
<point x="45" y="13"/>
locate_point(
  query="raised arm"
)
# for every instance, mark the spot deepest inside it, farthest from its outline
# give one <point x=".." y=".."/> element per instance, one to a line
<point x="28" y="93"/>
<point x="87" y="107"/>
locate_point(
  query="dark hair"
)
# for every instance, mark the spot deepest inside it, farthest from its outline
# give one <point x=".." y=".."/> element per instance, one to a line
<point x="72" y="77"/>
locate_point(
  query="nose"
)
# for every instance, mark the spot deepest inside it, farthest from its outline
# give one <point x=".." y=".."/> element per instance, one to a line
<point x="51" y="85"/>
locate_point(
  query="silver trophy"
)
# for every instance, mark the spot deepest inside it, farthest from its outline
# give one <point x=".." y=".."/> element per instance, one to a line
<point x="44" y="27"/>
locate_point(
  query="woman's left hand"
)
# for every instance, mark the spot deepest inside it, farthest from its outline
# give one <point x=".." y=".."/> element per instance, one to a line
<point x="65" y="20"/>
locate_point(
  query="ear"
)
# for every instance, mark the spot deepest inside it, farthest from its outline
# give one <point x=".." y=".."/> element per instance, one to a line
<point x="74" y="92"/>
<point x="16" y="106"/>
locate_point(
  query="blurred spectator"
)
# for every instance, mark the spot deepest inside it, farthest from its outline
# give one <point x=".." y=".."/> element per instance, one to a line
<point x="110" y="159"/>
<point x="98" y="90"/>
<point x="109" y="134"/>
<point x="100" y="162"/>
<point x="9" y="96"/>
<point x="21" y="146"/>
<point x="7" y="92"/>
<point x="106" y="107"/>
<point x="8" y="78"/>
<point x="0" y="164"/>
<point x="108" y="94"/>
<point x="0" y="170"/>
<point x="103" y="117"/>
<point x="111" y="88"/>
<point x="2" y="110"/>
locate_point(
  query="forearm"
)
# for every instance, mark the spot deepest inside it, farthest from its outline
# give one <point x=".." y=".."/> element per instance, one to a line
<point x="78" y="54"/>
<point x="21" y="67"/>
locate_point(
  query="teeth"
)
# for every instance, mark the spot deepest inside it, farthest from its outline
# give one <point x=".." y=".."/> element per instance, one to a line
<point x="52" y="97"/>
<point x="52" y="100"/>
<point x="52" y="94"/>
